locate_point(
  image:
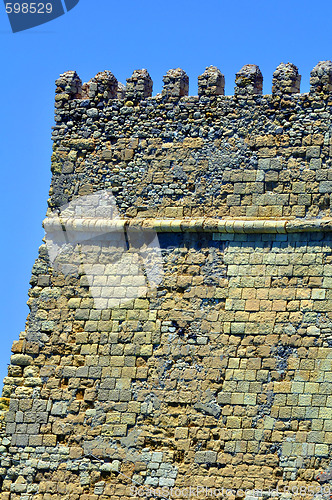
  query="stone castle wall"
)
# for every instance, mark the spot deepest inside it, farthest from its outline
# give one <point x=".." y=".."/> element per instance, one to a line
<point x="217" y="373"/>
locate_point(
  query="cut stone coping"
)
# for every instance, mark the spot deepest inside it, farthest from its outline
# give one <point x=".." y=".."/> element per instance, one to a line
<point x="205" y="225"/>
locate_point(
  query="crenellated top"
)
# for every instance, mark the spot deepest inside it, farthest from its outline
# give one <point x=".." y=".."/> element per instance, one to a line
<point x="248" y="83"/>
<point x="172" y="156"/>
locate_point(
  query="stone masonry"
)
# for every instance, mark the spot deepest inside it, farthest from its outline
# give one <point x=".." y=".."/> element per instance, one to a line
<point x="219" y="375"/>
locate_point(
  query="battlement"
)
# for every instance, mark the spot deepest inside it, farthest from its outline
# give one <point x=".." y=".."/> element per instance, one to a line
<point x="248" y="82"/>
<point x="172" y="155"/>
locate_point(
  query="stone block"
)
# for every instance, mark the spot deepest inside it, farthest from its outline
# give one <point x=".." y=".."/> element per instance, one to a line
<point x="206" y="457"/>
<point x="325" y="187"/>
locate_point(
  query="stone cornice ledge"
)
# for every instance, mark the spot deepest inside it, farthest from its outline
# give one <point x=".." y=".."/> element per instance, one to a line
<point x="207" y="225"/>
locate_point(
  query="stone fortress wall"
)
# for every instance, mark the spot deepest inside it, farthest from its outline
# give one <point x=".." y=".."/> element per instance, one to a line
<point x="220" y="375"/>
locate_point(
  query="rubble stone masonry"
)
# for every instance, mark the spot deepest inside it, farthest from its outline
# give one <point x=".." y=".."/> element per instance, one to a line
<point x="220" y="376"/>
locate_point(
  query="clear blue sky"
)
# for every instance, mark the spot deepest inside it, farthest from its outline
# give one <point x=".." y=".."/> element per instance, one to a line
<point x="122" y="36"/>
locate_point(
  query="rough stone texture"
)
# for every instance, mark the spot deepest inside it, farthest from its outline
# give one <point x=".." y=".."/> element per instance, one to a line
<point x="220" y="376"/>
<point x="211" y="82"/>
<point x="321" y="77"/>
<point x="139" y="85"/>
<point x="68" y="86"/>
<point x="103" y="86"/>
<point x="176" y="83"/>
<point x="286" y="79"/>
<point x="249" y="81"/>
<point x="121" y="91"/>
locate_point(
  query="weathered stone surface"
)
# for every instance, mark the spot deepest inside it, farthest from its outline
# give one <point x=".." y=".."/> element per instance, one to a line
<point x="286" y="79"/>
<point x="121" y="91"/>
<point x="211" y="82"/>
<point x="21" y="359"/>
<point x="176" y="83"/>
<point x="139" y="85"/>
<point x="249" y="81"/>
<point x="68" y="86"/>
<point x="221" y="374"/>
<point x="321" y="77"/>
<point x="103" y="86"/>
<point x="206" y="457"/>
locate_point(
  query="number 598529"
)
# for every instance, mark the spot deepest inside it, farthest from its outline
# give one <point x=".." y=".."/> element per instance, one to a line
<point x="28" y="8"/>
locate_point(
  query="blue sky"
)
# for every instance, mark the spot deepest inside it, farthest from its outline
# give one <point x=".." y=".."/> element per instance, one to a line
<point x="122" y="36"/>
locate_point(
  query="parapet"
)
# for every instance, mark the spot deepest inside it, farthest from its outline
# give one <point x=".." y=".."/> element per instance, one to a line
<point x="286" y="79"/>
<point x="68" y="86"/>
<point x="103" y="86"/>
<point x="176" y="83"/>
<point x="211" y="82"/>
<point x="248" y="83"/>
<point x="139" y="85"/>
<point x="321" y="77"/>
